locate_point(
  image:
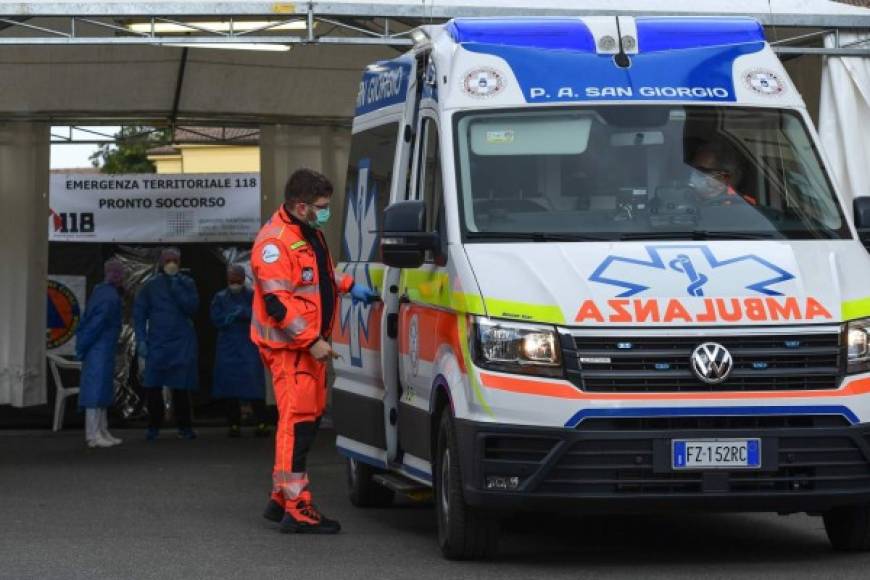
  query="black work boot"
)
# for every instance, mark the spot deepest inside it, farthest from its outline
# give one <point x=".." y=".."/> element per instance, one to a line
<point x="274" y="511"/>
<point x="301" y="517"/>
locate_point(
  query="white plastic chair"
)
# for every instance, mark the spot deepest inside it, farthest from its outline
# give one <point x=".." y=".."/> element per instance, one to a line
<point x="57" y="363"/>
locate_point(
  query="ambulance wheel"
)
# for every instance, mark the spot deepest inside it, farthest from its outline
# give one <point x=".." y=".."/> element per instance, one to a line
<point x="848" y="528"/>
<point x="463" y="532"/>
<point x="362" y="489"/>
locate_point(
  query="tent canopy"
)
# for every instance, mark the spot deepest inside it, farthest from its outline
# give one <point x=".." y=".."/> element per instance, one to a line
<point x="70" y="61"/>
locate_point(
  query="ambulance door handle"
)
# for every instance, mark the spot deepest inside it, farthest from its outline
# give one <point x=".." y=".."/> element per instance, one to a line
<point x="393" y="325"/>
<point x="393" y="318"/>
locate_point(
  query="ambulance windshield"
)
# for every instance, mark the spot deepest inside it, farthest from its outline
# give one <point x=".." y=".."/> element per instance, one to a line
<point x="643" y="172"/>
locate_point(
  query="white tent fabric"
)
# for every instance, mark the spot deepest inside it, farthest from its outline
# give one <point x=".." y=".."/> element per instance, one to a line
<point x="437" y="8"/>
<point x="844" y="118"/>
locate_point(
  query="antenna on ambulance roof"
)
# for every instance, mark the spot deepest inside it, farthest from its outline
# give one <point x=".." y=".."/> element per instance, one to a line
<point x="621" y="59"/>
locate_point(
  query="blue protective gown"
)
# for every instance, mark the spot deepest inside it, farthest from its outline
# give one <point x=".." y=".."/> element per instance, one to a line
<point x="96" y="343"/>
<point x="162" y="315"/>
<point x="238" y="370"/>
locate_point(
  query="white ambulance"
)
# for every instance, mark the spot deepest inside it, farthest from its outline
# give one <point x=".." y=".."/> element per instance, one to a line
<point x="616" y="277"/>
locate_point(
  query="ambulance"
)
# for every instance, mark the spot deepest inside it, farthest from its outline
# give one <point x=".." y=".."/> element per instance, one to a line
<point x="616" y="277"/>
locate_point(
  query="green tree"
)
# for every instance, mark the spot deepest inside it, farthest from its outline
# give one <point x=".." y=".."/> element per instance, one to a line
<point x="129" y="152"/>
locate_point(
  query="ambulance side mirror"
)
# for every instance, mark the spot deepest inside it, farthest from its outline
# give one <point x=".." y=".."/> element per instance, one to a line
<point x="861" y="207"/>
<point x="404" y="239"/>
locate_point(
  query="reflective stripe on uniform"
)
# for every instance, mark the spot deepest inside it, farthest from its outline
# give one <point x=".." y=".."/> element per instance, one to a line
<point x="268" y="286"/>
<point x="271" y="334"/>
<point x="275" y="285"/>
<point x="297" y="325"/>
<point x="288" y="483"/>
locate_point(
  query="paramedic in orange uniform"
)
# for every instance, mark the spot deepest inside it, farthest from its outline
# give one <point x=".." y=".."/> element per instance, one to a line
<point x="295" y="302"/>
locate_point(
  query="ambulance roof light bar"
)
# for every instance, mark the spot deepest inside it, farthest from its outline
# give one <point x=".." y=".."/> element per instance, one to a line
<point x="653" y="33"/>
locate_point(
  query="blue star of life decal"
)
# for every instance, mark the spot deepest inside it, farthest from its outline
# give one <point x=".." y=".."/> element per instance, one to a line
<point x="695" y="266"/>
<point x="360" y="246"/>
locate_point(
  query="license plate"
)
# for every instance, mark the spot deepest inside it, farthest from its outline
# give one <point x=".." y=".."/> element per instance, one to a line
<point x="716" y="453"/>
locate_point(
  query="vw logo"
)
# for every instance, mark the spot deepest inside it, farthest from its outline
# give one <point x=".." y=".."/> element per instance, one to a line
<point x="711" y="362"/>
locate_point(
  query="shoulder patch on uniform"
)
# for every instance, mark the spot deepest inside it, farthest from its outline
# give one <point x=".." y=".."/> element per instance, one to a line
<point x="271" y="253"/>
<point x="297" y="245"/>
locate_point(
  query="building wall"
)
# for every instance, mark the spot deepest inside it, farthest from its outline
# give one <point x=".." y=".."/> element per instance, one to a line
<point x="168" y="163"/>
<point x="209" y="159"/>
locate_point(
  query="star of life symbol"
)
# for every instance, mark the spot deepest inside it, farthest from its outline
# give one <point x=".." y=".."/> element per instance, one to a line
<point x="683" y="264"/>
<point x="694" y="267"/>
<point x="764" y="82"/>
<point x="360" y="245"/>
<point x="483" y="83"/>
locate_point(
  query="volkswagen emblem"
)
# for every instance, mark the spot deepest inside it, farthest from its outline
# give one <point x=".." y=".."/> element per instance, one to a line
<point x="711" y="363"/>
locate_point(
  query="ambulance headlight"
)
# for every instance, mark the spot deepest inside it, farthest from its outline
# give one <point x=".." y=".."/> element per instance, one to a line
<point x="858" y="341"/>
<point x="517" y="348"/>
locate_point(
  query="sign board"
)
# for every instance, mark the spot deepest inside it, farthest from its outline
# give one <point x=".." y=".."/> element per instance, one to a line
<point x="151" y="207"/>
<point x="66" y="306"/>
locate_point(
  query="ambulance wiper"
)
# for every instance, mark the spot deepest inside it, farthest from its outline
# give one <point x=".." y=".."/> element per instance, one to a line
<point x="698" y="235"/>
<point x="742" y="235"/>
<point x="535" y="236"/>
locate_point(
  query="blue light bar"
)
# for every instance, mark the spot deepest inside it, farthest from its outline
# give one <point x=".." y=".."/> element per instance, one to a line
<point x="658" y="34"/>
<point x="553" y="33"/>
<point x="655" y="34"/>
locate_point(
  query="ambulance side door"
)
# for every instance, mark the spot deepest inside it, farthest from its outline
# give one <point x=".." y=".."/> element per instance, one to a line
<point x="359" y="391"/>
<point x="423" y="310"/>
<point x="363" y="393"/>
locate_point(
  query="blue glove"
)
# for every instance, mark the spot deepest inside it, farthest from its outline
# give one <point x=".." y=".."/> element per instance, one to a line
<point x="363" y="294"/>
<point x="142" y="349"/>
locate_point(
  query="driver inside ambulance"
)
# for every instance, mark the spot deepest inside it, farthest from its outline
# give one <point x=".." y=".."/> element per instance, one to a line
<point x="716" y="173"/>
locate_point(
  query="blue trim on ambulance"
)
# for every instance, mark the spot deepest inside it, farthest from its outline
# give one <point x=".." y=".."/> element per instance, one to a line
<point x="692" y="75"/>
<point x="416" y="473"/>
<point x="383" y="84"/>
<point x="361" y="457"/>
<point x="643" y="412"/>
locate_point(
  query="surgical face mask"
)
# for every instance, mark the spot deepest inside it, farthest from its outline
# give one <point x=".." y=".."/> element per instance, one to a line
<point x="235" y="288"/>
<point x="321" y="217"/>
<point x="706" y="185"/>
<point x="171" y="268"/>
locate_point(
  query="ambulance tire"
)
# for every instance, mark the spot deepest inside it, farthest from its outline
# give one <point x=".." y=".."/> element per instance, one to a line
<point x="362" y="490"/>
<point x="463" y="532"/>
<point x="848" y="528"/>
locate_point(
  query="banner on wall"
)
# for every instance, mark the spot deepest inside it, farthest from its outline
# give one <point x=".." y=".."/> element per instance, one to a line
<point x="151" y="207"/>
<point x="66" y="305"/>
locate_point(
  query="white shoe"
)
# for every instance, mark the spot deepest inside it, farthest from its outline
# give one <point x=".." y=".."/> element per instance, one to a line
<point x="103" y="427"/>
<point x="111" y="438"/>
<point x="98" y="441"/>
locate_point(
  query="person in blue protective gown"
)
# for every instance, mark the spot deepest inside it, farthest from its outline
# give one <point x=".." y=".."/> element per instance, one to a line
<point x="96" y="345"/>
<point x="166" y="342"/>
<point x="238" y="371"/>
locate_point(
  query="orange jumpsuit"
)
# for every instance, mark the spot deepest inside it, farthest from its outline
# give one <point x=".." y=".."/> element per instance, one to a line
<point x="286" y="322"/>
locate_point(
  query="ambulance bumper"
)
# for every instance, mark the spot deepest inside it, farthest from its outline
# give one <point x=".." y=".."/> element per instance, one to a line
<point x="808" y="464"/>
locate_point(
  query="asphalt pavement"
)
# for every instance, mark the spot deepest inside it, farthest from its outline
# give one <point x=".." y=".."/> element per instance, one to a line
<point x="191" y="509"/>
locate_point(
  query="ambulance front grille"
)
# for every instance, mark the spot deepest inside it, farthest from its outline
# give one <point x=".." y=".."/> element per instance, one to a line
<point x="804" y="463"/>
<point x="661" y="363"/>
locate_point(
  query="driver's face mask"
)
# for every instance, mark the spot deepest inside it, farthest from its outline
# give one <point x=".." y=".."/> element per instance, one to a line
<point x="707" y="185"/>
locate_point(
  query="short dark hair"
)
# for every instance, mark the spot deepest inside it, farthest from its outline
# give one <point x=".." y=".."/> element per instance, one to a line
<point x="726" y="157"/>
<point x="307" y="185"/>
